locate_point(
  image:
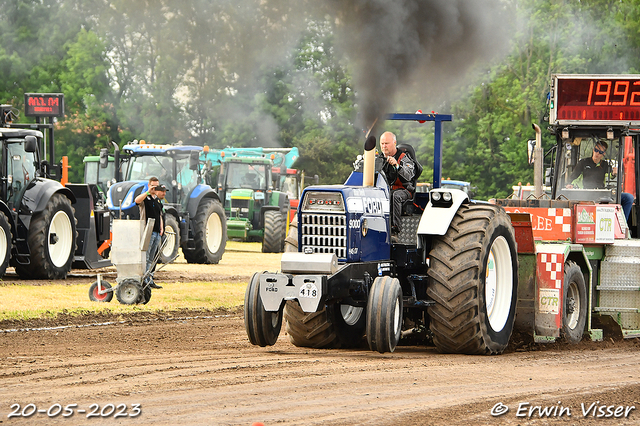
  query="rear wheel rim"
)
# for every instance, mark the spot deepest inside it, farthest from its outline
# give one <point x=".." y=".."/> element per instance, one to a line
<point x="396" y="317"/>
<point x="498" y="290"/>
<point x="213" y="232"/>
<point x="130" y="293"/>
<point x="60" y="239"/>
<point x="170" y="244"/>
<point x="572" y="306"/>
<point x="351" y="314"/>
<point x="3" y="244"/>
<point x="97" y="295"/>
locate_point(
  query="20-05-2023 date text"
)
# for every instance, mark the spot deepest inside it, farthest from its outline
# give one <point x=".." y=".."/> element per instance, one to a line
<point x="69" y="410"/>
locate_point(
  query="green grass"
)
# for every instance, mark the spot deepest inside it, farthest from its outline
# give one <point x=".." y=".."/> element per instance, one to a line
<point x="22" y="302"/>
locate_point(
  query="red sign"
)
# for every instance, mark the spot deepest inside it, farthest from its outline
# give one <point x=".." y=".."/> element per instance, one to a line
<point x="548" y="224"/>
<point x="43" y="104"/>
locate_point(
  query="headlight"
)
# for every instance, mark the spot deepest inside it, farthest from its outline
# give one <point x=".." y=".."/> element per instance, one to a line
<point x="446" y="196"/>
<point x="435" y="196"/>
<point x="128" y="201"/>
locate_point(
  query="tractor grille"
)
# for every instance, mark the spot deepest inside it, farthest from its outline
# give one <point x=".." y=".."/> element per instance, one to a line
<point x="240" y="208"/>
<point x="324" y="233"/>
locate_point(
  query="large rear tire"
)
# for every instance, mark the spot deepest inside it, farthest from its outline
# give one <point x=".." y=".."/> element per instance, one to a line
<point x="473" y="281"/>
<point x="52" y="241"/>
<point x="210" y="230"/>
<point x="291" y="242"/>
<point x="5" y="243"/>
<point x="574" y="312"/>
<point x="262" y="327"/>
<point x="336" y="326"/>
<point x="275" y="229"/>
<point x="384" y="314"/>
<point x="172" y="233"/>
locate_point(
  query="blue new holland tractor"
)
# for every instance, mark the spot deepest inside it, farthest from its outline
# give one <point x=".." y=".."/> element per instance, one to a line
<point x="194" y="214"/>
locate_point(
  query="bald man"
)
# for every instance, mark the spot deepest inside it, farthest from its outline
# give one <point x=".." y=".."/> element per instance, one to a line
<point x="399" y="169"/>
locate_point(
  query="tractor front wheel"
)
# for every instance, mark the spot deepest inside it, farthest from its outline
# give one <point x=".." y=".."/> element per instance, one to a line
<point x="52" y="241"/>
<point x="172" y="244"/>
<point x="262" y="327"/>
<point x="210" y="234"/>
<point x="384" y="314"/>
<point x="275" y="229"/>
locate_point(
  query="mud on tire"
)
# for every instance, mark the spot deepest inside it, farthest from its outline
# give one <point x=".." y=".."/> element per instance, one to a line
<point x="336" y="326"/>
<point x="210" y="234"/>
<point x="473" y="281"/>
<point x="52" y="241"/>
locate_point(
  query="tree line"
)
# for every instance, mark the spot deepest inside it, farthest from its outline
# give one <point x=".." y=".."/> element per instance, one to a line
<point x="276" y="73"/>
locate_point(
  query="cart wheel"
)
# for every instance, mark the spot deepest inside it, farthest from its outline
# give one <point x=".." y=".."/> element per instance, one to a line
<point x="146" y="295"/>
<point x="94" y="296"/>
<point x="128" y="292"/>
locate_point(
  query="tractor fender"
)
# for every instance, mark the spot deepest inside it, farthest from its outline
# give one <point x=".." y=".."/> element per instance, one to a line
<point x="172" y="211"/>
<point x="7" y="212"/>
<point x="266" y="208"/>
<point x="199" y="193"/>
<point x="437" y="215"/>
<point x="183" y="222"/>
<point x="37" y="195"/>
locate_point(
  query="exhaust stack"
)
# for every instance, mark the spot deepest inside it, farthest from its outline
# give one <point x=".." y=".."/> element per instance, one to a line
<point x="369" y="161"/>
<point x="538" y="165"/>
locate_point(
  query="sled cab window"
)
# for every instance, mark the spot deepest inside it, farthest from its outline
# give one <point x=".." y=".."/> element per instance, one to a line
<point x="579" y="159"/>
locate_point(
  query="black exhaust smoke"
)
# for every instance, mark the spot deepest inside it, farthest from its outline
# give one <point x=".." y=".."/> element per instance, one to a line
<point x="417" y="47"/>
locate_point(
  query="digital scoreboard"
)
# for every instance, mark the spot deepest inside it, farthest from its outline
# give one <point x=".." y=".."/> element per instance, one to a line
<point x="43" y="104"/>
<point x="595" y="99"/>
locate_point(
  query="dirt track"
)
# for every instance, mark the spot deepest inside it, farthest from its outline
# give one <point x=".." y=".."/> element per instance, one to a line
<point x="197" y="367"/>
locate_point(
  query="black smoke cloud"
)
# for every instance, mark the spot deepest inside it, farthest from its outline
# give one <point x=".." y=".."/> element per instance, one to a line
<point x="423" y="47"/>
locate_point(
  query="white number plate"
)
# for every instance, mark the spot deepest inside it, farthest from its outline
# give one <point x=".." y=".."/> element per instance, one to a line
<point x="309" y="290"/>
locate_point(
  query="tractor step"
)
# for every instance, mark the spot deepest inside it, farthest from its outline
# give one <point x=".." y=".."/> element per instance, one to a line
<point x="619" y="289"/>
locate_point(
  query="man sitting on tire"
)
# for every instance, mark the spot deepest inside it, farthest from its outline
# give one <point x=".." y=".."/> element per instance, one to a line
<point x="151" y="207"/>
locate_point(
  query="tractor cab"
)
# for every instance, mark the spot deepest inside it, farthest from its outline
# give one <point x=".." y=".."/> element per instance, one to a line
<point x="587" y="146"/>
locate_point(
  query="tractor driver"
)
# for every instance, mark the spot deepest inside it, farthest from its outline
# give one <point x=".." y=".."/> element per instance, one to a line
<point x="593" y="170"/>
<point x="399" y="169"/>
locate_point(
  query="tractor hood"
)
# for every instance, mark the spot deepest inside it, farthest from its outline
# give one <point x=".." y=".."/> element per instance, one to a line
<point x="122" y="194"/>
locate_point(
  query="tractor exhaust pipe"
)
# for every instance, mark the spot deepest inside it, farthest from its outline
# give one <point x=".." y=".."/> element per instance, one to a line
<point x="537" y="163"/>
<point x="369" y="161"/>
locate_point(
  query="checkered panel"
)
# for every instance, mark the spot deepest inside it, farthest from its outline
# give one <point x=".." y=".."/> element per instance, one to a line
<point x="561" y="217"/>
<point x="552" y="268"/>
